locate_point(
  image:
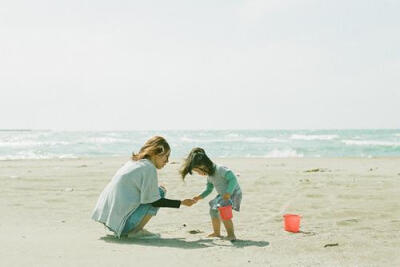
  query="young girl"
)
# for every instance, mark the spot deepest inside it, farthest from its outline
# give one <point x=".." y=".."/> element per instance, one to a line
<point x="220" y="178"/>
<point x="133" y="196"/>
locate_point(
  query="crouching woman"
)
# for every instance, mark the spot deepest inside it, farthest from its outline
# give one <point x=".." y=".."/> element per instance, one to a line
<point x="133" y="196"/>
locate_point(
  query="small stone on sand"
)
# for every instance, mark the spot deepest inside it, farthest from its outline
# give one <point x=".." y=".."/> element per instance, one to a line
<point x="317" y="170"/>
<point x="331" y="245"/>
<point x="193" y="232"/>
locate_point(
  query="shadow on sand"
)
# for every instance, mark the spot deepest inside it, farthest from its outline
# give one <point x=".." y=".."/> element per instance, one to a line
<point x="241" y="243"/>
<point x="160" y="242"/>
<point x="182" y="243"/>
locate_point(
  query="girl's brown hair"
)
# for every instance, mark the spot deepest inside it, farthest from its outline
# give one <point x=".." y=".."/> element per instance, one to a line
<point x="156" y="145"/>
<point x="197" y="158"/>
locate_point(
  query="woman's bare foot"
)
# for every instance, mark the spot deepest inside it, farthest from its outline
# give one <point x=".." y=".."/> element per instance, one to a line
<point x="143" y="234"/>
<point x="214" y="235"/>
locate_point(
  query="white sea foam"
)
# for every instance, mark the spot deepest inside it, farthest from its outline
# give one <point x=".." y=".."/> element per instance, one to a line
<point x="263" y="140"/>
<point x="370" y="143"/>
<point x="233" y="139"/>
<point x="189" y="140"/>
<point x="19" y="144"/>
<point x="105" y="140"/>
<point x="314" y="137"/>
<point x="255" y="139"/>
<point x="32" y="155"/>
<point x="232" y="135"/>
<point x="32" y="143"/>
<point x="186" y="139"/>
<point x="277" y="140"/>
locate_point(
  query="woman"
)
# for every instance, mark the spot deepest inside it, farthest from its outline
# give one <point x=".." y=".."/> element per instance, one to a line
<point x="133" y="197"/>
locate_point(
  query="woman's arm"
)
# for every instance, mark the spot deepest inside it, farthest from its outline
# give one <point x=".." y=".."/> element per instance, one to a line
<point x="166" y="203"/>
<point x="171" y="203"/>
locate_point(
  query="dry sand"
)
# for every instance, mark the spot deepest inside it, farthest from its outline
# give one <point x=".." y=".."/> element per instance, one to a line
<point x="45" y="208"/>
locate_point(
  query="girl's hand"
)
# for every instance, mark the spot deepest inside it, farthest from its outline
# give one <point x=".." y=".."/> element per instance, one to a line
<point x="226" y="196"/>
<point x="163" y="188"/>
<point x="197" y="198"/>
<point x="188" y="202"/>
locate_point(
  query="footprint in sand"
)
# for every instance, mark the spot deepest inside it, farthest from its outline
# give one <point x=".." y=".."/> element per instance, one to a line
<point x="314" y="195"/>
<point x="274" y="183"/>
<point x="259" y="182"/>
<point x="350" y="196"/>
<point x="347" y="222"/>
<point x="55" y="200"/>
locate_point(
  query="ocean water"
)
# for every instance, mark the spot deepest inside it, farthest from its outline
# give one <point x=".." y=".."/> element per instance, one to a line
<point x="33" y="144"/>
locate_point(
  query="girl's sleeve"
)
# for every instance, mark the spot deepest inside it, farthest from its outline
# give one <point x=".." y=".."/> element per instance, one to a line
<point x="208" y="190"/>
<point x="232" y="181"/>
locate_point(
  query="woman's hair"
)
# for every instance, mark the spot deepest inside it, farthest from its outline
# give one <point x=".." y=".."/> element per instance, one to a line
<point x="197" y="158"/>
<point x="156" y="145"/>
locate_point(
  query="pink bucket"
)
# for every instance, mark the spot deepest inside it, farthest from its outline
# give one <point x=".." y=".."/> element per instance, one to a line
<point x="292" y="222"/>
<point x="225" y="212"/>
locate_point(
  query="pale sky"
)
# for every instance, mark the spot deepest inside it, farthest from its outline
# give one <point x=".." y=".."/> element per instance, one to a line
<point x="261" y="64"/>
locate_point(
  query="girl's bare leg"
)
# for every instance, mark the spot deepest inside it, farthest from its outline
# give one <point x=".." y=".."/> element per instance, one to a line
<point x="229" y="230"/>
<point x="216" y="224"/>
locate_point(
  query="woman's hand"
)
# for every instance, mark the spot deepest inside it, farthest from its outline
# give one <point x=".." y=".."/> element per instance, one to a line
<point x="188" y="202"/>
<point x="226" y="196"/>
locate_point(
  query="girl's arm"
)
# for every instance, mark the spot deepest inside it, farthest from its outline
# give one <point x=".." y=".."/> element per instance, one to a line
<point x="232" y="182"/>
<point x="208" y="190"/>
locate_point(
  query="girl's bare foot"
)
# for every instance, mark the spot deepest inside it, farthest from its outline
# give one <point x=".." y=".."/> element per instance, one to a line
<point x="230" y="238"/>
<point x="214" y="235"/>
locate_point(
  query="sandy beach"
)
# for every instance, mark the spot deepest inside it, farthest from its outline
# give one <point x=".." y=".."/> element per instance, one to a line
<point x="350" y="210"/>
